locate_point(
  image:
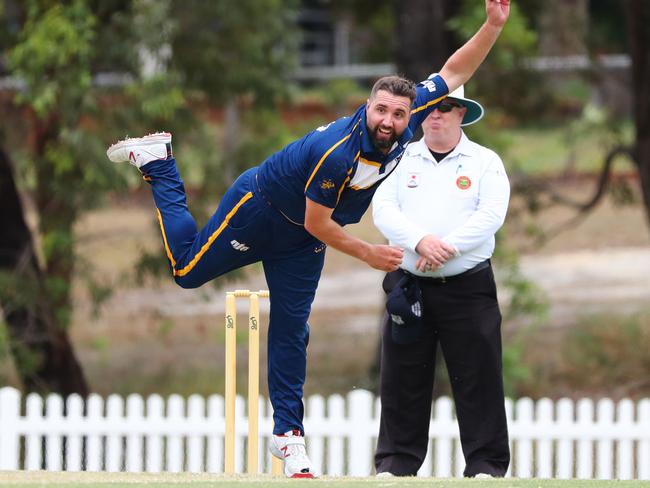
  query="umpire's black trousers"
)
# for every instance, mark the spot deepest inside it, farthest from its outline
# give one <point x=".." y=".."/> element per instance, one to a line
<point x="463" y="314"/>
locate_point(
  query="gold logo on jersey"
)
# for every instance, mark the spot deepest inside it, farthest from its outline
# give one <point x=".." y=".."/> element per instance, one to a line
<point x="327" y="184"/>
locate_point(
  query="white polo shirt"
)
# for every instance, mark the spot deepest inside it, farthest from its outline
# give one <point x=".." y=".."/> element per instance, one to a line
<point x="462" y="200"/>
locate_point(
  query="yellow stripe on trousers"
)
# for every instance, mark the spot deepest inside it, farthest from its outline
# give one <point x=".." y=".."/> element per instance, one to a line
<point x="167" y="250"/>
<point x="213" y="237"/>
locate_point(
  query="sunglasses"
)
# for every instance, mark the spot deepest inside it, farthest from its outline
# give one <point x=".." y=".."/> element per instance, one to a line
<point x="448" y="106"/>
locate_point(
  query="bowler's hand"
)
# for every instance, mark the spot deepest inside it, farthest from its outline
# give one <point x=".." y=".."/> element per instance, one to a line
<point x="497" y="12"/>
<point x="383" y="257"/>
<point x="434" y="251"/>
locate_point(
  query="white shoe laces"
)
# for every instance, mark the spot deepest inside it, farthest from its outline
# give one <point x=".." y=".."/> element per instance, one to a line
<point x="297" y="452"/>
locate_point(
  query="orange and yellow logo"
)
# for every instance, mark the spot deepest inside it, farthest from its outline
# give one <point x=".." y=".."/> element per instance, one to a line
<point x="463" y="182"/>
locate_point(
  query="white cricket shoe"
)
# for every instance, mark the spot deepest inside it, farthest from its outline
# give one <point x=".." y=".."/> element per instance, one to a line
<point x="385" y="474"/>
<point x="290" y="447"/>
<point x="483" y="476"/>
<point x="141" y="150"/>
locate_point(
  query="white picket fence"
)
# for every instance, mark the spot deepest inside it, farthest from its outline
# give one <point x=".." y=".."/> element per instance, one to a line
<point x="564" y="439"/>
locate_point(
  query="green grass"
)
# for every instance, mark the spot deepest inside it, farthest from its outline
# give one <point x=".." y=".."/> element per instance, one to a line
<point x="166" y="480"/>
<point x="550" y="151"/>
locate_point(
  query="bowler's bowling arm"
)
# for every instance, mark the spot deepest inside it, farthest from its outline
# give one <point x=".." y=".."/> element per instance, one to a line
<point x="461" y="65"/>
<point x="319" y="223"/>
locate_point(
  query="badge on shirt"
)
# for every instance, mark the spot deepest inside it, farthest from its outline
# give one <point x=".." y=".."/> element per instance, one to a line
<point x="463" y="182"/>
<point x="326" y="184"/>
<point x="413" y="180"/>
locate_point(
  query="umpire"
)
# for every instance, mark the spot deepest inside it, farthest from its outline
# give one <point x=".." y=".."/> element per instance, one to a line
<point x="443" y="205"/>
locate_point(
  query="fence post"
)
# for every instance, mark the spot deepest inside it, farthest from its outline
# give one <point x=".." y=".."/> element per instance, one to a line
<point x="95" y="421"/>
<point x="544" y="453"/>
<point x="9" y="416"/>
<point x="335" y="446"/>
<point x="443" y="416"/>
<point x="624" y="453"/>
<point x="604" y="449"/>
<point x="53" y="440"/>
<point x="114" y="418"/>
<point x="33" y="442"/>
<point x="565" y="442"/>
<point x="155" y="410"/>
<point x="360" y="413"/>
<point x="134" y="440"/>
<point x="524" y="449"/>
<point x="241" y="431"/>
<point x="195" y="416"/>
<point x="315" y="415"/>
<point x="214" y="419"/>
<point x="585" y="423"/>
<point x="74" y="418"/>
<point x="175" y="415"/>
<point x="643" y="453"/>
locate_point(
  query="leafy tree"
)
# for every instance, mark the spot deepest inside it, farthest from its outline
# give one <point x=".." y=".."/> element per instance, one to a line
<point x="61" y="52"/>
<point x="52" y="57"/>
<point x="611" y="136"/>
<point x="239" y="57"/>
<point x="51" y="54"/>
<point x="504" y="76"/>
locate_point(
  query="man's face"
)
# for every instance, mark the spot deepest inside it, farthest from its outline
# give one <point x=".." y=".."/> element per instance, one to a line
<point x="387" y="116"/>
<point x="446" y="118"/>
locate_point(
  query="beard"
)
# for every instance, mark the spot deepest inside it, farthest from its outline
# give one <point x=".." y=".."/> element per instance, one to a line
<point x="383" y="141"/>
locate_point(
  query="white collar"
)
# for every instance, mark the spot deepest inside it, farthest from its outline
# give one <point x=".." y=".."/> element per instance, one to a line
<point x="464" y="147"/>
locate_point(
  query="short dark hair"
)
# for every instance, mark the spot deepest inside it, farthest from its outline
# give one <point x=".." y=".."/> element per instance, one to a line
<point x="396" y="85"/>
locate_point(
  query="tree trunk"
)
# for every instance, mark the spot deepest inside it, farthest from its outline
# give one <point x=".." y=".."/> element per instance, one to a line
<point x="638" y="20"/>
<point x="42" y="351"/>
<point x="424" y="41"/>
<point x="230" y="139"/>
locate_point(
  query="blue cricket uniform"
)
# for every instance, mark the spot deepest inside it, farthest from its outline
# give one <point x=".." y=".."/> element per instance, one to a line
<point x="261" y="217"/>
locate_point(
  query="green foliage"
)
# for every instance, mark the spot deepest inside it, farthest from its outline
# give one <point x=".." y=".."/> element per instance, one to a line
<point x="230" y="49"/>
<point x="373" y="20"/>
<point x="527" y="304"/>
<point x="541" y="151"/>
<point x="516" y="41"/>
<point x="101" y="344"/>
<point x="17" y="293"/>
<point x="515" y="369"/>
<point x="165" y="328"/>
<point x="56" y="242"/>
<point x="161" y="98"/>
<point x="607" y="27"/>
<point x="4" y="345"/>
<point x="265" y="133"/>
<point x="338" y="94"/>
<point x="227" y="50"/>
<point x="608" y="351"/>
<point x="503" y="81"/>
<point x="597" y="355"/>
<point x="53" y="56"/>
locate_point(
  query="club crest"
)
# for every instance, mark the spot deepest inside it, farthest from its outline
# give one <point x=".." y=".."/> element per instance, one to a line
<point x="463" y="182"/>
<point x="413" y="180"/>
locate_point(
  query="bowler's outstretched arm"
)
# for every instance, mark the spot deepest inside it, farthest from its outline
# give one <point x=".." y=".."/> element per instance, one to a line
<point x="465" y="61"/>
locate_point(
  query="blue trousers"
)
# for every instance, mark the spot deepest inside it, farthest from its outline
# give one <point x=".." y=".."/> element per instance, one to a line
<point x="243" y="230"/>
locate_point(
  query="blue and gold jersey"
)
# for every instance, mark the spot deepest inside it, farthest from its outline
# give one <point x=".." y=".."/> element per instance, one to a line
<point x="337" y="165"/>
